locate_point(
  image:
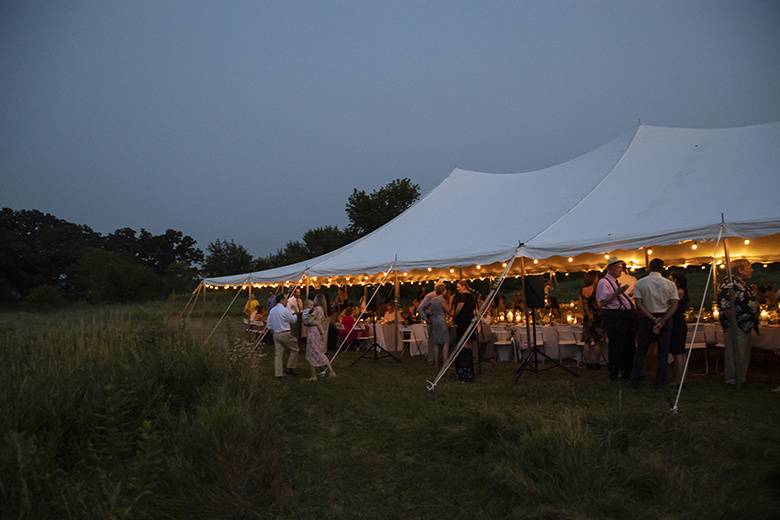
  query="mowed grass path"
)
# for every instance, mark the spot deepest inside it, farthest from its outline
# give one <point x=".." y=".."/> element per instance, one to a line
<point x="373" y="443"/>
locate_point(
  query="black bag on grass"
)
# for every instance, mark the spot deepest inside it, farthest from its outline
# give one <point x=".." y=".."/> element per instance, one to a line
<point x="464" y="365"/>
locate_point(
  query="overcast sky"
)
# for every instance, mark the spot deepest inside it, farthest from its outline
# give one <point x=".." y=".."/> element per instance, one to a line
<point x="254" y="120"/>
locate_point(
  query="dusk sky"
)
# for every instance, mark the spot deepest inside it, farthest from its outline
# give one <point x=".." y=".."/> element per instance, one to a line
<point x="254" y="120"/>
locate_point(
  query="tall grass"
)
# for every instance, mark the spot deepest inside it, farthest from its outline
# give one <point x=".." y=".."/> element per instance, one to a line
<point x="122" y="414"/>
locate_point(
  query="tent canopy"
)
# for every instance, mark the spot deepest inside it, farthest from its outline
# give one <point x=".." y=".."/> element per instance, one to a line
<point x="671" y="186"/>
<point x="655" y="186"/>
<point x="470" y="218"/>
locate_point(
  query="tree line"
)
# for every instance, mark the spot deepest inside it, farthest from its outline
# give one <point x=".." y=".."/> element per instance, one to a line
<point x="48" y="261"/>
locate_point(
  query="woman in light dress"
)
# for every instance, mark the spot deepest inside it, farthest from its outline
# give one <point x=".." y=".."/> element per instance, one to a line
<point x="316" y="334"/>
<point x="436" y="309"/>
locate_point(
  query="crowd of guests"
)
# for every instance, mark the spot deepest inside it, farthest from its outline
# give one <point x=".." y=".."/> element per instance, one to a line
<point x="626" y="316"/>
<point x="622" y="317"/>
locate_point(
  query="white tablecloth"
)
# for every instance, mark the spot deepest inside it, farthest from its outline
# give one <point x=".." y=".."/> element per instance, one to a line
<point x="557" y="341"/>
<point x="767" y="339"/>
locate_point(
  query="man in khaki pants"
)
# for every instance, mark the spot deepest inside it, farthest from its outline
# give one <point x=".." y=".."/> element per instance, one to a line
<point x="280" y="320"/>
<point x="737" y="351"/>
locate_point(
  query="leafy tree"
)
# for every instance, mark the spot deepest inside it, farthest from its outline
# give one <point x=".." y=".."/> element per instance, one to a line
<point x="110" y="277"/>
<point x="226" y="257"/>
<point x="39" y="249"/>
<point x="367" y="212"/>
<point x="321" y="240"/>
<point x="155" y="251"/>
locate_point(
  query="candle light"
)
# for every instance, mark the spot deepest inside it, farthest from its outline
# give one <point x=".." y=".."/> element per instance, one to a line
<point x="715" y="313"/>
<point x="569" y="319"/>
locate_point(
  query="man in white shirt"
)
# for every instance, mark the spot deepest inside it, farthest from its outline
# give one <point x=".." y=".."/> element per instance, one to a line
<point x="656" y="299"/>
<point x="280" y="320"/>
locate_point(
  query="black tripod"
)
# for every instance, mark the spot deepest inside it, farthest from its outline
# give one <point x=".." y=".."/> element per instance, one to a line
<point x="375" y="347"/>
<point x="531" y="362"/>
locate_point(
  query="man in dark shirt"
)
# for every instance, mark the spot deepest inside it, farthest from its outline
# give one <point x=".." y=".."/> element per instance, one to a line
<point x="463" y="306"/>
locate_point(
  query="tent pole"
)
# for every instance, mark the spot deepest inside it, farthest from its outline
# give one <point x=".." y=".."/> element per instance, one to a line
<point x="714" y="284"/>
<point x="201" y="288"/>
<point x="731" y="313"/>
<point x="525" y="306"/>
<point x="203" y="309"/>
<point x="193" y="297"/>
<point x="362" y="312"/>
<point x="397" y="303"/>
<point x="431" y="385"/>
<point x="698" y="321"/>
<point x="241" y="288"/>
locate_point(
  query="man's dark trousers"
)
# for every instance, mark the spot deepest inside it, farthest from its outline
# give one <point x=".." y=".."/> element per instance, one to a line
<point x="619" y="327"/>
<point x="643" y="338"/>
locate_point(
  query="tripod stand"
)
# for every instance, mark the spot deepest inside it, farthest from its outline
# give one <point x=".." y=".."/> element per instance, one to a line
<point x="375" y="347"/>
<point x="531" y="362"/>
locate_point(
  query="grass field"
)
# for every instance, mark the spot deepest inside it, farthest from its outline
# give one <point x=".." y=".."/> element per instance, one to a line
<point x="123" y="413"/>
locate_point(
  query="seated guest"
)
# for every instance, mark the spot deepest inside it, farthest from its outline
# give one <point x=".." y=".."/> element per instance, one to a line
<point x="410" y="313"/>
<point x="389" y="315"/>
<point x="251" y="305"/>
<point x="348" y="329"/>
<point x="258" y="314"/>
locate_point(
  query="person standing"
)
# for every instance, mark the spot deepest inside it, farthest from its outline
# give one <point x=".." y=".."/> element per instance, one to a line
<point x="271" y="301"/>
<point x="592" y="329"/>
<point x="745" y="312"/>
<point x="464" y="305"/>
<point x="316" y="325"/>
<point x="280" y="319"/>
<point x="435" y="308"/>
<point x="295" y="306"/>
<point x="657" y="300"/>
<point x="679" y="327"/>
<point x="617" y="311"/>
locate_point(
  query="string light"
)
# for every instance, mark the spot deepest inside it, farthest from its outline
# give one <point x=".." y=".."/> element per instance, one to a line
<point x="649" y="251"/>
<point x="694" y="246"/>
<point x="503" y="264"/>
<point x="571" y="259"/>
<point x="606" y="256"/>
<point x="452" y="271"/>
<point x="747" y="241"/>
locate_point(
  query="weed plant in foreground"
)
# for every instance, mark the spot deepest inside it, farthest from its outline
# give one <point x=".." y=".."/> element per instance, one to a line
<point x="121" y="414"/>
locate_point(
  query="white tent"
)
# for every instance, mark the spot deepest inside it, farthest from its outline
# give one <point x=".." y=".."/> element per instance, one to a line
<point x="656" y="186"/>
<point x="470" y="218"/>
<point x="671" y="186"/>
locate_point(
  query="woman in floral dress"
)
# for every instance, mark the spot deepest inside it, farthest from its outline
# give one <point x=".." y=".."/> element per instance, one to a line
<point x="593" y="337"/>
<point x="316" y="334"/>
